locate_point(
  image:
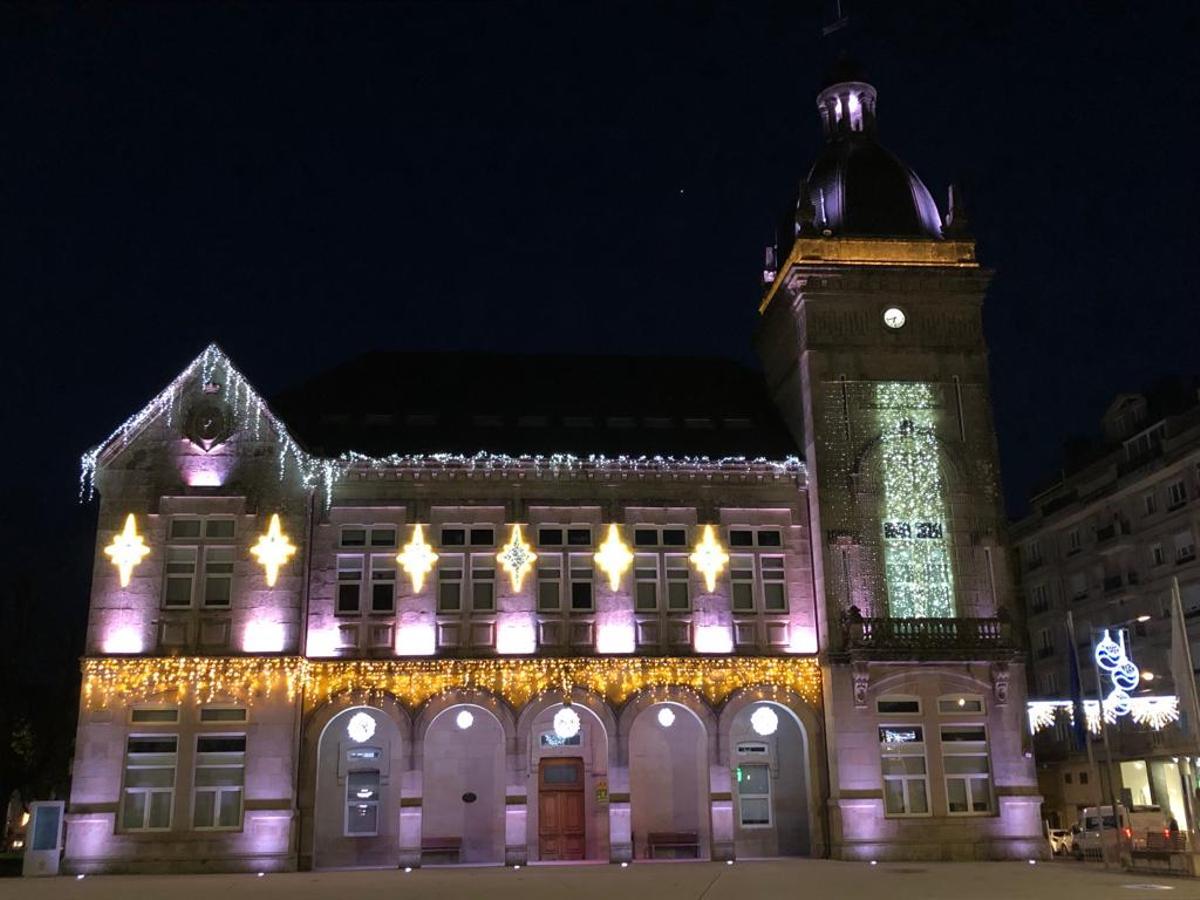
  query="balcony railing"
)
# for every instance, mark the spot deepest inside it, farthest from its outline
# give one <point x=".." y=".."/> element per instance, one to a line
<point x="928" y="634"/>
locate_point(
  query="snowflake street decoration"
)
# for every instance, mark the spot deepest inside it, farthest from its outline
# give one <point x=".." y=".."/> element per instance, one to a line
<point x="517" y="558"/>
<point x="1154" y="711"/>
<point x="127" y="550"/>
<point x="566" y="723"/>
<point x="361" y="727"/>
<point x="764" y="721"/>
<point x="417" y="559"/>
<point x="709" y="558"/>
<point x="614" y="557"/>
<point x="273" y="549"/>
<point x="1041" y="714"/>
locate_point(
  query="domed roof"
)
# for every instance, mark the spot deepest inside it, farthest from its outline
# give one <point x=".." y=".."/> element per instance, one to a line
<point x="856" y="187"/>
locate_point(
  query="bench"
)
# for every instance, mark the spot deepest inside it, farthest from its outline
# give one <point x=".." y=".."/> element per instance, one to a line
<point x="442" y="846"/>
<point x="673" y="841"/>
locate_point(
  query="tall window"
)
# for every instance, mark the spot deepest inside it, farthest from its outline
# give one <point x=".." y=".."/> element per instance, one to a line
<point x="645" y="573"/>
<point x="450" y="582"/>
<point x="350" y="578"/>
<point x="1074" y="542"/>
<point x="220" y="775"/>
<point x="181" y="575"/>
<point x="758" y="582"/>
<point x="678" y="590"/>
<point x="549" y="574"/>
<point x="1185" y="546"/>
<point x="754" y="795"/>
<point x="582" y="578"/>
<point x="483" y="582"/>
<point x="383" y="584"/>
<point x="218" y="575"/>
<point x="362" y="803"/>
<point x="149" y="782"/>
<point x="905" y="782"/>
<point x="741" y="578"/>
<point x="965" y="761"/>
<point x="1176" y="494"/>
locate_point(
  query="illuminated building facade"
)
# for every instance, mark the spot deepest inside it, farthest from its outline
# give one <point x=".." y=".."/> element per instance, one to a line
<point x="1104" y="539"/>
<point x="333" y="635"/>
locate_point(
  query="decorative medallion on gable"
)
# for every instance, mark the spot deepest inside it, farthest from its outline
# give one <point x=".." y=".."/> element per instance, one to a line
<point x="209" y="423"/>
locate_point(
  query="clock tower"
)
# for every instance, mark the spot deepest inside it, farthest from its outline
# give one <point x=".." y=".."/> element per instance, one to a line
<point x="871" y="337"/>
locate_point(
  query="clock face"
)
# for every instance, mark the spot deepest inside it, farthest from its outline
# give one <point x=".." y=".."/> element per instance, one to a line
<point x="894" y="317"/>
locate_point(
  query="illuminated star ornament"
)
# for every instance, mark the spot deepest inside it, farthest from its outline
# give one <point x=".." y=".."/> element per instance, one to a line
<point x="709" y="558"/>
<point x="517" y="558"/>
<point x="127" y="550"/>
<point x="273" y="550"/>
<point x="417" y="558"/>
<point x="614" y="557"/>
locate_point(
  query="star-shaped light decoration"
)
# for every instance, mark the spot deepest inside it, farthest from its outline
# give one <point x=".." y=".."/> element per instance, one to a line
<point x="614" y="557"/>
<point x="517" y="558"/>
<point x="273" y="549"/>
<point x="417" y="558"/>
<point x="127" y="550"/>
<point x="709" y="558"/>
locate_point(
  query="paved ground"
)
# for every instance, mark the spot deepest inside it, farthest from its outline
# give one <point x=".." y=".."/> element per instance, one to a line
<point x="657" y="881"/>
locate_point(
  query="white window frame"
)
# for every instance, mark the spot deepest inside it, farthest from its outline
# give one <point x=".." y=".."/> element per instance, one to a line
<point x="647" y="564"/>
<point x="1074" y="541"/>
<point x="955" y="709"/>
<point x="1177" y="493"/>
<point x="1187" y="551"/>
<point x="675" y="564"/>
<point x="756" y="538"/>
<point x="483" y="572"/>
<point x="581" y="570"/>
<point x="770" y="823"/>
<point x="658" y="539"/>
<point x="348" y="802"/>
<point x="898" y="698"/>
<point x="967" y="749"/>
<point x="148" y="791"/>
<point x="227" y="576"/>
<point x="550" y="575"/>
<point x="906" y="780"/>
<point x="180" y="550"/>
<point x="1149" y="503"/>
<point x="349" y="564"/>
<point x="448" y="564"/>
<point x="383" y="573"/>
<point x="219" y="790"/>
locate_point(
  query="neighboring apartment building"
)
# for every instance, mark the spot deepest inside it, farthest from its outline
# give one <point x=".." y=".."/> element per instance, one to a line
<point x="1105" y="541"/>
<point x="642" y="628"/>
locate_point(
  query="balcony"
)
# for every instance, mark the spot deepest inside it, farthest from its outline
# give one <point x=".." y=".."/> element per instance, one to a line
<point x="928" y="636"/>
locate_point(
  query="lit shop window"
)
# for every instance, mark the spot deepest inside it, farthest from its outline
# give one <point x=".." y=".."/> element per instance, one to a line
<point x="905" y="782"/>
<point x="149" y="792"/>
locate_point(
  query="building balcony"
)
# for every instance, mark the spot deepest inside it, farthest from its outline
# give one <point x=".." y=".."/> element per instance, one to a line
<point x="954" y="637"/>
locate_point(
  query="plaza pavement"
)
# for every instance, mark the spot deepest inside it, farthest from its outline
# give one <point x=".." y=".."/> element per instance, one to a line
<point x="746" y="880"/>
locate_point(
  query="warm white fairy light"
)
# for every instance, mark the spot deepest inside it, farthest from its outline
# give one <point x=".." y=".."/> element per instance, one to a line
<point x="709" y="558"/>
<point x="614" y="557"/>
<point x="273" y="549"/>
<point x="517" y="558"/>
<point x="417" y="558"/>
<point x="250" y="411"/>
<point x="566" y="723"/>
<point x="127" y="550"/>
<point x="917" y="567"/>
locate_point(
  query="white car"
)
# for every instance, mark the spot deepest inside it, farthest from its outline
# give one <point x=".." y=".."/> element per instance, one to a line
<point x="1060" y="841"/>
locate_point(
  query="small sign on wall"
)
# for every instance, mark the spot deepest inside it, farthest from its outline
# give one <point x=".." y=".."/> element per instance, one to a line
<point x="601" y="791"/>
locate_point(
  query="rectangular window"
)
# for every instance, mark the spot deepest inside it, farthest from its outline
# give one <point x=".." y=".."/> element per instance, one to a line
<point x="454" y="537"/>
<point x="741" y="537"/>
<point x="674" y="537"/>
<point x="149" y="783"/>
<point x="483" y="582"/>
<point x="582" y="575"/>
<point x="549" y="582"/>
<point x="741" y="577"/>
<point x="1074" y="542"/>
<point x="185" y="528"/>
<point x="645" y="537"/>
<point x="383" y="584"/>
<point x="905" y="783"/>
<point x="181" y="573"/>
<point x="383" y="537"/>
<point x="678" y="591"/>
<point x="220" y="775"/>
<point x="350" y="576"/>
<point x="354" y="537"/>
<point x="774" y="585"/>
<point x="1078" y="585"/>
<point x="154" y="715"/>
<point x="450" y="581"/>
<point x="218" y="576"/>
<point x="1158" y="556"/>
<point x="222" y="714"/>
<point x="645" y="573"/>
<point x="362" y="803"/>
<point x="219" y="529"/>
<point x="894" y="705"/>
<point x="770" y="537"/>
<point x="965" y="760"/>
<point x="1149" y="504"/>
<point x="754" y="795"/>
<point x="960" y="703"/>
<point x="483" y="537"/>
<point x="1033" y="553"/>
<point x="579" y="537"/>
<point x="1176" y="494"/>
<point x="1185" y="547"/>
<point x="550" y="537"/>
<point x="1041" y="599"/>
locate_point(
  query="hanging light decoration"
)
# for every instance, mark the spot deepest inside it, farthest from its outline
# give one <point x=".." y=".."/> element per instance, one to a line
<point x="614" y="557"/>
<point x="361" y="727"/>
<point x="465" y="719"/>
<point x="127" y="550"/>
<point x="709" y="558"/>
<point x="666" y="717"/>
<point x="517" y="558"/>
<point x="273" y="549"/>
<point x="566" y="723"/>
<point x="417" y="558"/>
<point x="764" y="721"/>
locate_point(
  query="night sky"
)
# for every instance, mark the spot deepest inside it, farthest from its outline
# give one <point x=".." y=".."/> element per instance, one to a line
<point x="303" y="183"/>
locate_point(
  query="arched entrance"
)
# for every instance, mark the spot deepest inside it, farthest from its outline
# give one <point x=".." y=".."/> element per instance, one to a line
<point x="771" y="780"/>
<point x="463" y="786"/>
<point x="669" y="784"/>
<point x="360" y="763"/>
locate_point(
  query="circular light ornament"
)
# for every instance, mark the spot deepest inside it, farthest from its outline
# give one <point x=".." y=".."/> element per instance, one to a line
<point x="1126" y="676"/>
<point x="666" y="717"/>
<point x="361" y="727"/>
<point x="464" y="719"/>
<point x="1117" y="703"/>
<point x="894" y="317"/>
<point x="1109" y="654"/>
<point x="566" y="723"/>
<point x="764" y="721"/>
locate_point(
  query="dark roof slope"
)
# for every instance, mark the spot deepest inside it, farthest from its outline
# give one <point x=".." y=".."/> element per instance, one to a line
<point x="382" y="403"/>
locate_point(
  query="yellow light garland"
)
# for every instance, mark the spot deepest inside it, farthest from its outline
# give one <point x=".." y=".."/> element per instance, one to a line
<point x="413" y="682"/>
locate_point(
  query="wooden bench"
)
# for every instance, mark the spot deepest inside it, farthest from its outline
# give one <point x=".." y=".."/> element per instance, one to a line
<point x="442" y="846"/>
<point x="673" y="840"/>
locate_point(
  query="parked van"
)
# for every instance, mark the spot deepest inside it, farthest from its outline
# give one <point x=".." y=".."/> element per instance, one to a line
<point x="1126" y="830"/>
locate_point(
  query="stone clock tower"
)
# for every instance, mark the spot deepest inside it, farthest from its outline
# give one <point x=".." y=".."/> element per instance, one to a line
<point x="872" y="340"/>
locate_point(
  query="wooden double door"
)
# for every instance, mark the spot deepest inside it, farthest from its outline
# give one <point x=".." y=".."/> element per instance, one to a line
<point x="561" y="831"/>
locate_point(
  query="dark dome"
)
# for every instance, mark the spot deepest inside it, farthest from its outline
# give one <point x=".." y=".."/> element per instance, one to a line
<point x="856" y="187"/>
